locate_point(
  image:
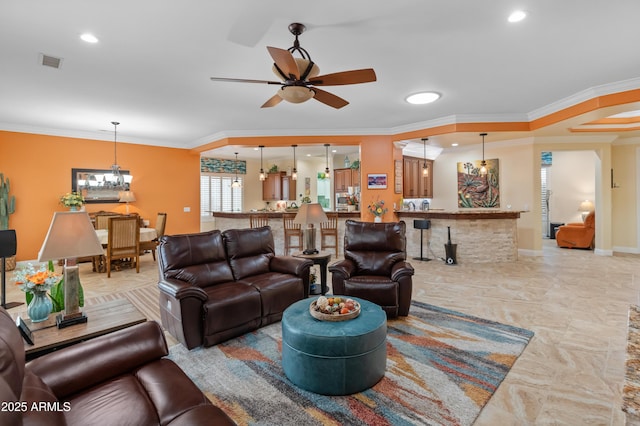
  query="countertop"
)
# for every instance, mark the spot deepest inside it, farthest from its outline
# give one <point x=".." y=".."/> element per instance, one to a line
<point x="460" y="215"/>
<point x="274" y="214"/>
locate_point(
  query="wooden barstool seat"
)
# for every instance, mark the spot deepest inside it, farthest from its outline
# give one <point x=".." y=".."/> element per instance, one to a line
<point x="329" y="229"/>
<point x="291" y="230"/>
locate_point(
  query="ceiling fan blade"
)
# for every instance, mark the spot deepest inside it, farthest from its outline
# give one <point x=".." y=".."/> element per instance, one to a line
<point x="243" y="80"/>
<point x="366" y="75"/>
<point x="329" y="98"/>
<point x="273" y="101"/>
<point x="284" y="60"/>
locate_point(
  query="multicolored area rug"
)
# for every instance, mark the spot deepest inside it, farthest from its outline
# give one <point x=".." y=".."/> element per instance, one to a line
<point x="442" y="368"/>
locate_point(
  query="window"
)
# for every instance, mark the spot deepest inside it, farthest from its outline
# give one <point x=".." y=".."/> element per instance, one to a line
<point x="217" y="195"/>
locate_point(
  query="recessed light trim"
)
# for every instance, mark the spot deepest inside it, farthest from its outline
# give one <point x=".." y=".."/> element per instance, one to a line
<point x="89" y="38"/>
<point x="517" y="16"/>
<point x="422" y="98"/>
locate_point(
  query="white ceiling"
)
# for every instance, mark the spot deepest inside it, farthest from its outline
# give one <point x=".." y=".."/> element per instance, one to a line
<point x="151" y="68"/>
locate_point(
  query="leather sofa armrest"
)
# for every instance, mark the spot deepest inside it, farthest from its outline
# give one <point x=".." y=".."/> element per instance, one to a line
<point x="401" y="269"/>
<point x="344" y="267"/>
<point x="290" y="265"/>
<point x="81" y="366"/>
<point x="180" y="289"/>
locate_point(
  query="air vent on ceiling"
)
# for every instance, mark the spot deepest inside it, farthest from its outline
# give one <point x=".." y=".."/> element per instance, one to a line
<point x="50" y="61"/>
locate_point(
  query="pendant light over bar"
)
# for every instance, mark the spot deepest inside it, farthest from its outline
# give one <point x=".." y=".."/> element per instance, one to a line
<point x="294" y="172"/>
<point x="262" y="175"/>
<point x="236" y="183"/>
<point x="327" y="173"/>
<point x="425" y="170"/>
<point x="483" y="164"/>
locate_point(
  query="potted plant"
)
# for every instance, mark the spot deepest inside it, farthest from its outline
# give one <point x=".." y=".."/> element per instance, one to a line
<point x="72" y="200"/>
<point x="7" y="207"/>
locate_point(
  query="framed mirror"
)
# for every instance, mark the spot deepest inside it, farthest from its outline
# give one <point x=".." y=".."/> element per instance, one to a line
<point x="99" y="185"/>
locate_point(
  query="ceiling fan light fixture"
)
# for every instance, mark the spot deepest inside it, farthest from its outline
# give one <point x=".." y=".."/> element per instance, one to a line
<point x="296" y="94"/>
<point x="422" y="98"/>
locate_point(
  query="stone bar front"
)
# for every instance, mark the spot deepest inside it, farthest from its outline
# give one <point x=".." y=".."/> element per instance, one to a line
<point x="481" y="236"/>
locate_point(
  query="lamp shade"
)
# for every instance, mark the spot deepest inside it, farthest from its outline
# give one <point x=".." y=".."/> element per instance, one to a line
<point x="71" y="235"/>
<point x="126" y="196"/>
<point x="310" y="213"/>
<point x="586" y="206"/>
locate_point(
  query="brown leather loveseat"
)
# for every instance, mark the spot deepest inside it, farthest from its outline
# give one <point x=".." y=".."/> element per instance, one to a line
<point x="218" y="285"/>
<point x="374" y="266"/>
<point x="121" y="378"/>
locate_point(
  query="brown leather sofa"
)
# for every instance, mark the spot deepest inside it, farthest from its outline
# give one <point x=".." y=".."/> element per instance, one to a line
<point x="218" y="285"/>
<point x="578" y="235"/>
<point x="374" y="266"/>
<point x="121" y="378"/>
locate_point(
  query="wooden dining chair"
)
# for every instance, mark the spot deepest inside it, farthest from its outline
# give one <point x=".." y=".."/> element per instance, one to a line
<point x="161" y="222"/>
<point x="124" y="241"/>
<point x="102" y="220"/>
<point x="291" y="230"/>
<point x="258" y="220"/>
<point x="329" y="229"/>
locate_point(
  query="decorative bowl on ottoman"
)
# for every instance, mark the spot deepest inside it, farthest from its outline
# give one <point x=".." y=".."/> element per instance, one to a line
<point x="334" y="308"/>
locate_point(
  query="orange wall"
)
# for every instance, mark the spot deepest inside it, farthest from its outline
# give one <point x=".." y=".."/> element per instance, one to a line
<point x="376" y="155"/>
<point x="39" y="167"/>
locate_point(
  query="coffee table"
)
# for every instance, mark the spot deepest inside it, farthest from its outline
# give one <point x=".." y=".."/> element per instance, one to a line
<point x="103" y="318"/>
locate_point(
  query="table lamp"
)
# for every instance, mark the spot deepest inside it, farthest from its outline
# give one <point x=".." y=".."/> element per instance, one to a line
<point x="310" y="214"/>
<point x="71" y="235"/>
<point x="126" y="197"/>
<point x="585" y="207"/>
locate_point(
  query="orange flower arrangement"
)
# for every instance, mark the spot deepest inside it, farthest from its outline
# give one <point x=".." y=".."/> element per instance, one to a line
<point x="31" y="280"/>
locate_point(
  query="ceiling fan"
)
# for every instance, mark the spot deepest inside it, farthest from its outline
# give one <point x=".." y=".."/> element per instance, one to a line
<point x="299" y="76"/>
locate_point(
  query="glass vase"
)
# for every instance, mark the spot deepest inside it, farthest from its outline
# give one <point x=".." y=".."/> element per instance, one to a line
<point x="40" y="306"/>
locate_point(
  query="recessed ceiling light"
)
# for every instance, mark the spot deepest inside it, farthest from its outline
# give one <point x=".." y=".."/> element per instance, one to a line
<point x="454" y="144"/>
<point x="89" y="38"/>
<point x="517" y="16"/>
<point x="422" y="98"/>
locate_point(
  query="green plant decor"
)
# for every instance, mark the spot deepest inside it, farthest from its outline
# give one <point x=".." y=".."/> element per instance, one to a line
<point x="355" y="165"/>
<point x="274" y="169"/>
<point x="7" y="203"/>
<point x="56" y="294"/>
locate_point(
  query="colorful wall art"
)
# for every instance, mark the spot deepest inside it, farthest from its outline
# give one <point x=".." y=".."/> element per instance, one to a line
<point x="476" y="190"/>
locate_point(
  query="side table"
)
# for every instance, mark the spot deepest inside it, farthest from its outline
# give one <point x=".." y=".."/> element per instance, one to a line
<point x="321" y="259"/>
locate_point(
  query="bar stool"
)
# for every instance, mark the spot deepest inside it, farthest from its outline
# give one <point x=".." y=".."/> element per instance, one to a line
<point x="291" y="230"/>
<point x="258" y="220"/>
<point x="329" y="229"/>
<point x="421" y="224"/>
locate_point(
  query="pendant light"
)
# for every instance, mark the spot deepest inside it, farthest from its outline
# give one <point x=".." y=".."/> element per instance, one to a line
<point x="294" y="172"/>
<point x="262" y="175"/>
<point x="236" y="183"/>
<point x="483" y="164"/>
<point x="425" y="170"/>
<point x="115" y="177"/>
<point x="327" y="173"/>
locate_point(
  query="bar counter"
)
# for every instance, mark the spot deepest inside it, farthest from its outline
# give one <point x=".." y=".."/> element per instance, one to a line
<point x="238" y="220"/>
<point x="481" y="235"/>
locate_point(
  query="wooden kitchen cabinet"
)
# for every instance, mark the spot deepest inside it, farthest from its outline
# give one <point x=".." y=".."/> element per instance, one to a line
<point x="278" y="186"/>
<point x="415" y="184"/>
<point x="344" y="178"/>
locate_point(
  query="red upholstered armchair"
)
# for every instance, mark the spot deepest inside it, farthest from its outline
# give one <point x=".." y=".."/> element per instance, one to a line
<point x="578" y="235"/>
<point x="374" y="266"/>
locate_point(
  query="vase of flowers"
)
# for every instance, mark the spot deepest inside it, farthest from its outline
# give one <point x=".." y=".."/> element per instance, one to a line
<point x="72" y="200"/>
<point x="36" y="284"/>
<point x="378" y="209"/>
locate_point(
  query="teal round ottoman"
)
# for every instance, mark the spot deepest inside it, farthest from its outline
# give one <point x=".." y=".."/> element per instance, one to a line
<point x="334" y="358"/>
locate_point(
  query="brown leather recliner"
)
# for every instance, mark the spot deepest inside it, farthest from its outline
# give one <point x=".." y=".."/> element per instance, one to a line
<point x="578" y="235"/>
<point x="374" y="266"/>
<point x="117" y="379"/>
<point x="218" y="285"/>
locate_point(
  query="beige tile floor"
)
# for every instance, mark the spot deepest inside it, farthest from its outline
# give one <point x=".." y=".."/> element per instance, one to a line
<point x="576" y="302"/>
